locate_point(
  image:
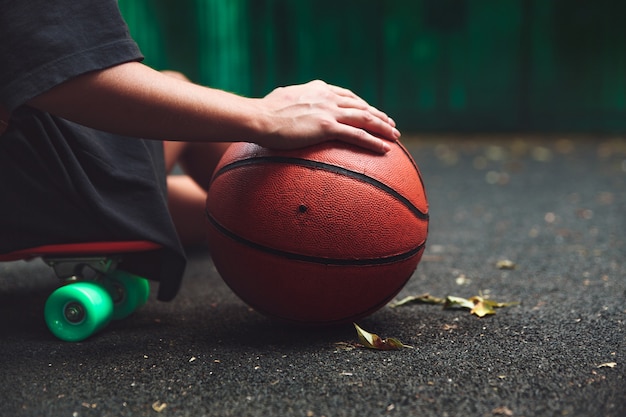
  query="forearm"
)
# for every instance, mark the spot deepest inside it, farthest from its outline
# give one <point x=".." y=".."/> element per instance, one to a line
<point x="133" y="100"/>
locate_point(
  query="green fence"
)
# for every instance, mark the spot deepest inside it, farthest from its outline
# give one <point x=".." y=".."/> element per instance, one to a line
<point x="462" y="65"/>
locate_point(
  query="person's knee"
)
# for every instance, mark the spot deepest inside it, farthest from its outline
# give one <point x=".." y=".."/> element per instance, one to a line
<point x="172" y="152"/>
<point x="186" y="202"/>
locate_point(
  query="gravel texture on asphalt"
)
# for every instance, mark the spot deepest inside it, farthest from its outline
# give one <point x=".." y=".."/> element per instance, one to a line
<point x="554" y="206"/>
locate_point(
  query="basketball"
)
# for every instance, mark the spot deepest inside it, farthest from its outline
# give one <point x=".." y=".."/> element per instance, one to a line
<point x="322" y="235"/>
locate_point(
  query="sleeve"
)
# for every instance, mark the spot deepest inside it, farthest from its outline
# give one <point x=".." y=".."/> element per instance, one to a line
<point x="47" y="42"/>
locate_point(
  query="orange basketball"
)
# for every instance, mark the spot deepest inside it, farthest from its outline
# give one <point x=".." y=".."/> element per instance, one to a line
<point x="321" y="235"/>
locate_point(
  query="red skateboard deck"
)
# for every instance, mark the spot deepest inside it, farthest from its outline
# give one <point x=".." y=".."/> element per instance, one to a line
<point x="77" y="249"/>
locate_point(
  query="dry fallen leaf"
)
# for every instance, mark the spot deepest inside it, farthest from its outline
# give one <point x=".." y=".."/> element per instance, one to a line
<point x="608" y="365"/>
<point x="373" y="341"/>
<point x="158" y="406"/>
<point x="502" y="411"/>
<point x="478" y="305"/>
<point x="457" y="302"/>
<point x="505" y="264"/>
<point x="417" y="299"/>
<point x="484" y="306"/>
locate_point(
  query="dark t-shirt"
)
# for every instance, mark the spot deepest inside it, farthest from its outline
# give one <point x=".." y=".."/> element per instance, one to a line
<point x="64" y="183"/>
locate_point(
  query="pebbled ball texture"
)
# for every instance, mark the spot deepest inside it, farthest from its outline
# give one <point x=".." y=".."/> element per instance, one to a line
<point x="321" y="235"/>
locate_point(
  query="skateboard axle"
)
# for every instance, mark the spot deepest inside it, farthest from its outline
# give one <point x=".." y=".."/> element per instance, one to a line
<point x="74" y="312"/>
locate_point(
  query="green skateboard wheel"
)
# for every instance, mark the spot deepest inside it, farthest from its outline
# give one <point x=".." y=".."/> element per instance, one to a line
<point x="76" y="311"/>
<point x="128" y="291"/>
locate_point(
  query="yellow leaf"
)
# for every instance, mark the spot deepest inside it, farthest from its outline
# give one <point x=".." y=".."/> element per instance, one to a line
<point x="417" y="299"/>
<point x="608" y="365"/>
<point x="477" y="305"/>
<point x="505" y="264"/>
<point x="158" y="406"/>
<point x="482" y="309"/>
<point x="373" y="341"/>
<point x="502" y="411"/>
<point x="458" y="302"/>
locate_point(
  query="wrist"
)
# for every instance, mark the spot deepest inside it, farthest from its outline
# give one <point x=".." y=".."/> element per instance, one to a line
<point x="264" y="124"/>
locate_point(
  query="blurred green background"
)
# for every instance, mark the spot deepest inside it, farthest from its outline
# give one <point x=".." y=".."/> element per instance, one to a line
<point x="433" y="65"/>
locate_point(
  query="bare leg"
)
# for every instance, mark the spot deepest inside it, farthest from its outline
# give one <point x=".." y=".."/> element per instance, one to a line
<point x="186" y="202"/>
<point x="187" y="193"/>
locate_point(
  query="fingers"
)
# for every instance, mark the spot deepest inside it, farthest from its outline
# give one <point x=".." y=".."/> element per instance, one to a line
<point x="328" y="112"/>
<point x="363" y="124"/>
<point x="357" y="102"/>
<point x="357" y="113"/>
<point x="346" y="99"/>
<point x="350" y="101"/>
<point x="344" y="92"/>
<point x="362" y="105"/>
<point x="365" y="120"/>
<point x="362" y="138"/>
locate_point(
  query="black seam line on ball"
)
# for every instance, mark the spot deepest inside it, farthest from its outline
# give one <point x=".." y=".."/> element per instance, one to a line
<point x="329" y="168"/>
<point x="315" y="259"/>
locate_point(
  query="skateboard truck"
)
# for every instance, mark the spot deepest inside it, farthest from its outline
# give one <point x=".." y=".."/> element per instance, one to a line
<point x="73" y="269"/>
<point x="94" y="269"/>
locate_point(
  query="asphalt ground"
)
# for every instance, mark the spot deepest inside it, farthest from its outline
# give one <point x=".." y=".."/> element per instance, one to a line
<point x="553" y="206"/>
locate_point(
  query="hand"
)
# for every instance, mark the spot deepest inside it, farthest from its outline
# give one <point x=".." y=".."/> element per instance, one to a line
<point x="315" y="112"/>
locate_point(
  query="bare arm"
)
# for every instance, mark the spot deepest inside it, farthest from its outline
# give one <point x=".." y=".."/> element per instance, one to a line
<point x="134" y="100"/>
